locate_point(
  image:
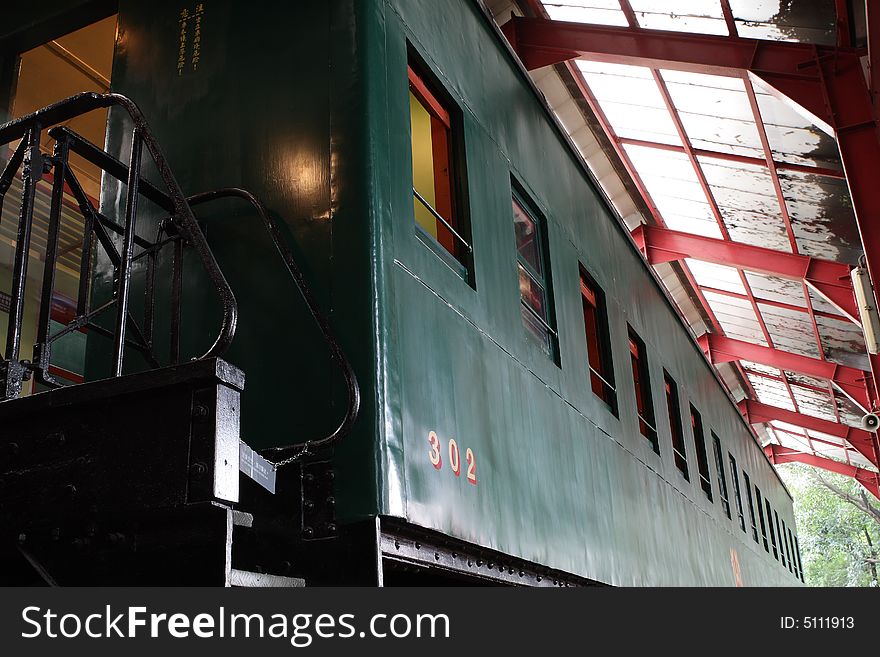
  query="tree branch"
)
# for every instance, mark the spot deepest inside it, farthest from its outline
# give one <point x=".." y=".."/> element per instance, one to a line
<point x="862" y="504"/>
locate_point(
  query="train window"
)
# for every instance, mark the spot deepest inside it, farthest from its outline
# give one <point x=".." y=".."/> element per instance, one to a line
<point x="722" y="478"/>
<point x="797" y="552"/>
<point x="674" y="410"/>
<point x="788" y="547"/>
<point x="770" y="526"/>
<point x="598" y="341"/>
<point x="534" y="280"/>
<point x="641" y="382"/>
<point x="761" y="518"/>
<point x="700" y="448"/>
<point x="437" y="171"/>
<point x="737" y="493"/>
<point x="751" y="505"/>
<point x="781" y="534"/>
<point x="793" y="553"/>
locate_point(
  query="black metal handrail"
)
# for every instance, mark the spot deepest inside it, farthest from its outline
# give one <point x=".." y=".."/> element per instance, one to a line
<point x="297" y="450"/>
<point x="34" y="164"/>
<point x="439" y="217"/>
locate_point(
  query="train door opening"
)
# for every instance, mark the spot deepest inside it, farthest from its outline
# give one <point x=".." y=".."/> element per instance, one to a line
<point x="79" y="61"/>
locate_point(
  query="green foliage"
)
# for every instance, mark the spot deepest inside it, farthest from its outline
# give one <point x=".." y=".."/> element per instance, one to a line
<point x="833" y="532"/>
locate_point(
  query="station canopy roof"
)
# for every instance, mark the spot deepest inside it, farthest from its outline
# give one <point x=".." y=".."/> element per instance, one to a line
<point x="725" y="157"/>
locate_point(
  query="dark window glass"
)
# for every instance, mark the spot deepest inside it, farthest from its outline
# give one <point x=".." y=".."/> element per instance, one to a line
<point x="535" y="303"/>
<point x="797" y="551"/>
<point x="751" y="506"/>
<point x="700" y="448"/>
<point x="641" y="382"/>
<point x="737" y="493"/>
<point x="598" y="341"/>
<point x="761" y="518"/>
<point x="674" y="411"/>
<point x="435" y="167"/>
<point x="780" y="532"/>
<point x="772" y="531"/>
<point x="722" y="478"/>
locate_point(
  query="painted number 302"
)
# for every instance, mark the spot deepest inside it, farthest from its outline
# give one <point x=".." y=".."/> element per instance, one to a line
<point x="436" y="456"/>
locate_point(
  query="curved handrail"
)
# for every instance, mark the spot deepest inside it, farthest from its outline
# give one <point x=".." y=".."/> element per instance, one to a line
<point x="74" y="106"/>
<point x="336" y="351"/>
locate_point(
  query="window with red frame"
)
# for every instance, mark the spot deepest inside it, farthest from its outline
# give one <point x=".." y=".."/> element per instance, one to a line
<point x="434" y="170"/>
<point x="598" y="341"/>
<point x="702" y="455"/>
<point x="533" y="270"/>
<point x="672" y="406"/>
<point x="641" y="382"/>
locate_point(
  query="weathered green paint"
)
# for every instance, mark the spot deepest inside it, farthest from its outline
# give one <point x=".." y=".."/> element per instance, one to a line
<point x="307" y="106"/>
<point x="560" y="479"/>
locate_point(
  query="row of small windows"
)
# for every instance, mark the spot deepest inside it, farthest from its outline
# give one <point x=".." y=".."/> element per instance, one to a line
<point x="437" y="171"/>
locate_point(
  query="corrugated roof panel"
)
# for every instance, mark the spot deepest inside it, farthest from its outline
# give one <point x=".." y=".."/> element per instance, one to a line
<point x="844" y="342"/>
<point x="793" y="138"/>
<point x="810" y="21"/>
<point x="820" y="303"/>
<point x="821" y="216"/>
<point x="601" y="12"/>
<point x="813" y="403"/>
<point x="673" y="186"/>
<point x="803" y="380"/>
<point x="774" y="288"/>
<point x="680" y="16"/>
<point x="717" y="276"/>
<point x="818" y="435"/>
<point x="736" y="317"/>
<point x="790" y="330"/>
<point x="631" y="101"/>
<point x="770" y="391"/>
<point x="850" y="413"/>
<point x="747" y="202"/>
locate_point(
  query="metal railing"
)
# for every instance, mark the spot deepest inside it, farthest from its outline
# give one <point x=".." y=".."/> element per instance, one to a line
<point x="177" y="231"/>
<point x="289" y="453"/>
<point x="439" y="217"/>
<point x="180" y="227"/>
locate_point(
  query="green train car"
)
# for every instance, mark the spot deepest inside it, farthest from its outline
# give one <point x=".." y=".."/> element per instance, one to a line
<point x="533" y="408"/>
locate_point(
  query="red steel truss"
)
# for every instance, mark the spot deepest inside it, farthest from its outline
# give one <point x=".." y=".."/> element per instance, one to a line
<point x="852" y="381"/>
<point x="826" y="83"/>
<point x="830" y="279"/>
<point x="818" y="81"/>
<point x="864" y="442"/>
<point x="867" y="478"/>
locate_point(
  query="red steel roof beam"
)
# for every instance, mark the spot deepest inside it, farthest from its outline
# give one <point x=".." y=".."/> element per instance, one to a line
<point x="864" y="442"/>
<point x="733" y="157"/>
<point x="710" y="199"/>
<point x="799" y="436"/>
<point x="872" y="18"/>
<point x="830" y="279"/>
<point x="785" y="66"/>
<point x="728" y="18"/>
<point x="774" y="303"/>
<point x="867" y="478"/>
<point x="850" y="380"/>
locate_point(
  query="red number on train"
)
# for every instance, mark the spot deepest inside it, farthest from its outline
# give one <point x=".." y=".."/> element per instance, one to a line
<point x="454" y="457"/>
<point x="434" y="454"/>
<point x="472" y="466"/>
